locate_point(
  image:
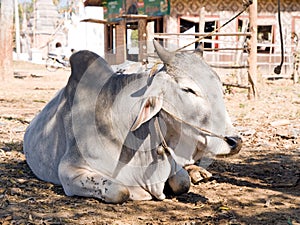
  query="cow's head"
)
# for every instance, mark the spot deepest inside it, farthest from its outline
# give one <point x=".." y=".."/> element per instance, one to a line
<point x="187" y="97"/>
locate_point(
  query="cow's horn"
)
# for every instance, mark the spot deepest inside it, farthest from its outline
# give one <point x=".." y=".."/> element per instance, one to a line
<point x="164" y="55"/>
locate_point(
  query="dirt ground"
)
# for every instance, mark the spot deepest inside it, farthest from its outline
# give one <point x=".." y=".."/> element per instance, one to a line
<point x="261" y="185"/>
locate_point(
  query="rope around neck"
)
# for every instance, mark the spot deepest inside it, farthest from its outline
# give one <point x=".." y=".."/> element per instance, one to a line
<point x="203" y="130"/>
<point x="164" y="144"/>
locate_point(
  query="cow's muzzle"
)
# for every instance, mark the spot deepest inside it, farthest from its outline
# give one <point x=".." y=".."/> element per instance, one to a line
<point x="235" y="143"/>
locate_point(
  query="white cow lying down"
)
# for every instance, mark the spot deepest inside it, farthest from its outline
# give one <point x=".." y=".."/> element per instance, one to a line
<point x="118" y="137"/>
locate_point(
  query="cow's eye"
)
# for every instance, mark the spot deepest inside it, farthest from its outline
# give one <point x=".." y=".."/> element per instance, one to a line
<point x="189" y="90"/>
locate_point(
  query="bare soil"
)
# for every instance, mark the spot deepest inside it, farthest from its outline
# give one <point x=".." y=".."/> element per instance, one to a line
<point x="261" y="185"/>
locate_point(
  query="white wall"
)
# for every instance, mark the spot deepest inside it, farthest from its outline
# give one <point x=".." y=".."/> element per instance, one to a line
<point x="87" y="35"/>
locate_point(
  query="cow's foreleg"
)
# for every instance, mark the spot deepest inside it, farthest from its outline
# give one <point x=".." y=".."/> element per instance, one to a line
<point x="81" y="180"/>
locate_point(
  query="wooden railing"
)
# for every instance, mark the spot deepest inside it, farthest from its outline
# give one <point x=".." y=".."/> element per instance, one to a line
<point x="232" y="52"/>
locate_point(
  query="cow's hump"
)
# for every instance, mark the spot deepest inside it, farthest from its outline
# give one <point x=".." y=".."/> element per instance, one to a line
<point x="85" y="63"/>
<point x="80" y="61"/>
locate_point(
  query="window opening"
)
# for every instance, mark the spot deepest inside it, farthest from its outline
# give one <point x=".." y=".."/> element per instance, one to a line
<point x="132" y="37"/>
<point x="264" y="38"/>
<point x="209" y="27"/>
<point x="110" y="44"/>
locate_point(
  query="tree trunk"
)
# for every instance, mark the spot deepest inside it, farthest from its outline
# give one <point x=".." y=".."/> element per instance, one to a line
<point x="6" y="39"/>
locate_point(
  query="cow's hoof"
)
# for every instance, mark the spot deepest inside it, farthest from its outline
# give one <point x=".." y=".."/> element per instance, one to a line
<point x="198" y="174"/>
<point x="161" y="197"/>
<point x="180" y="182"/>
<point x="117" y="194"/>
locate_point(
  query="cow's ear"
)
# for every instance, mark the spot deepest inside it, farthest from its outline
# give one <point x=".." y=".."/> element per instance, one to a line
<point x="149" y="109"/>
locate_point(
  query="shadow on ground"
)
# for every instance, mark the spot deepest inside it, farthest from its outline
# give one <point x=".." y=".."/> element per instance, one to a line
<point x="26" y="200"/>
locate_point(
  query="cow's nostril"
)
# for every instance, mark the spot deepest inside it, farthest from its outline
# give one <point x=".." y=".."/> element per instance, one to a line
<point x="235" y="143"/>
<point x="231" y="142"/>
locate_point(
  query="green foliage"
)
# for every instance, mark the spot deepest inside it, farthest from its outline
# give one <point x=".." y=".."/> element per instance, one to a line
<point x="134" y="38"/>
<point x="135" y="35"/>
<point x="241" y="105"/>
<point x="55" y="2"/>
<point x="27" y="8"/>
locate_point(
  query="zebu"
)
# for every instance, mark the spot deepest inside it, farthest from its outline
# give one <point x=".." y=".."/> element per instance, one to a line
<point x="119" y="137"/>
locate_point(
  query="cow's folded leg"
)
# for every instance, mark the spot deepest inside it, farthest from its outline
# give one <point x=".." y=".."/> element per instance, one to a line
<point x="180" y="182"/>
<point x="84" y="181"/>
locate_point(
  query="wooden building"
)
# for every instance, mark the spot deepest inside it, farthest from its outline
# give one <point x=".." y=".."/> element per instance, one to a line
<point x="177" y="22"/>
<point x="214" y="13"/>
<point x="129" y="27"/>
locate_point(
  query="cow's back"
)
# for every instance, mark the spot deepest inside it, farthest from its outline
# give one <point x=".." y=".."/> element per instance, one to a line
<point x="44" y="140"/>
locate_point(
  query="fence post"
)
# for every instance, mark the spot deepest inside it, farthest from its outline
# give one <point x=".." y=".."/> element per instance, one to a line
<point x="142" y="33"/>
<point x="252" y="59"/>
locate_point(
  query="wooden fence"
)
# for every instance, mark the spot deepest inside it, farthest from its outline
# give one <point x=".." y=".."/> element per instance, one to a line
<point x="229" y="52"/>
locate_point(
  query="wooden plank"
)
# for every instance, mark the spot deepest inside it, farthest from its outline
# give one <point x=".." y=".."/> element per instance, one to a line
<point x="158" y="35"/>
<point x="217" y="49"/>
<point x="98" y="21"/>
<point x="236" y="85"/>
<point x="134" y="16"/>
<point x="229" y="67"/>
